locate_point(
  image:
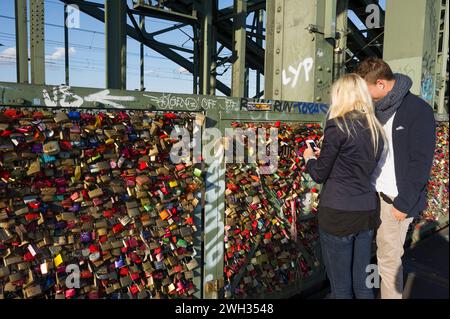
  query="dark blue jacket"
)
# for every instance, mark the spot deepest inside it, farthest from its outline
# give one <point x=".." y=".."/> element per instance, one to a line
<point x="346" y="165"/>
<point x="414" y="139"/>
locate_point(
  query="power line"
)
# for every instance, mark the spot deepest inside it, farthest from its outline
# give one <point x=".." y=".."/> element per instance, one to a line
<point x="78" y="62"/>
<point x="93" y="31"/>
<point x="82" y="46"/>
<point x="93" y="61"/>
<point x="89" y="30"/>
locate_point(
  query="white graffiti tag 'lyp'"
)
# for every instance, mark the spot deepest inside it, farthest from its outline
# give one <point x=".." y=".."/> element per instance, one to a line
<point x="104" y="98"/>
<point x="62" y="97"/>
<point x="306" y="64"/>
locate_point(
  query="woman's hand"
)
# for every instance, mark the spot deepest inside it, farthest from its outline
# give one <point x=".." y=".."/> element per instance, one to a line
<point x="317" y="151"/>
<point x="310" y="153"/>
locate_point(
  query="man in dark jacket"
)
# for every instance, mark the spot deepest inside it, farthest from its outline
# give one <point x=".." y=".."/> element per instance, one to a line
<point x="403" y="172"/>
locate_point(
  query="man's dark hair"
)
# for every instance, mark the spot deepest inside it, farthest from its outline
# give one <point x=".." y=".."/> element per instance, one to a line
<point x="373" y="69"/>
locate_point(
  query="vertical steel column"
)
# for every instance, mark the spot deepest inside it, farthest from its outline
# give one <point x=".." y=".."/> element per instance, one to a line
<point x="410" y="45"/>
<point x="213" y="49"/>
<point x="299" y="50"/>
<point x="273" y="58"/>
<point x="330" y="19"/>
<point x="66" y="45"/>
<point x="259" y="41"/>
<point x="214" y="231"/>
<point x="21" y="41"/>
<point x="116" y="44"/>
<point x="239" y="46"/>
<point x="206" y="44"/>
<point x="341" y="44"/>
<point x="247" y="83"/>
<point x="196" y="61"/>
<point x="37" y="39"/>
<point x="196" y="41"/>
<point x="442" y="61"/>
<point x="141" y="54"/>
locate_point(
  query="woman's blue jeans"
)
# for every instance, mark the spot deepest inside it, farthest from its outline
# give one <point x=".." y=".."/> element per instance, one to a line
<point x="346" y="259"/>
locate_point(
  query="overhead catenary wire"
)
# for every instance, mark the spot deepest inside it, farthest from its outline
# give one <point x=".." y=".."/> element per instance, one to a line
<point x="89" y="64"/>
<point x="9" y="36"/>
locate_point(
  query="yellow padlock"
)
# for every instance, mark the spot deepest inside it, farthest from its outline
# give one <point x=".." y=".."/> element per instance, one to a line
<point x="77" y="173"/>
<point x="173" y="184"/>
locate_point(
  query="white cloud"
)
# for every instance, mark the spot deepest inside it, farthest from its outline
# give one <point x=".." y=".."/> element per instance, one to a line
<point x="59" y="53"/>
<point x="8" y="55"/>
<point x="182" y="70"/>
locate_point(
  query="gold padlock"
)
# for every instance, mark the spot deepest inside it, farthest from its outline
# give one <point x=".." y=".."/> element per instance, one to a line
<point x="51" y="148"/>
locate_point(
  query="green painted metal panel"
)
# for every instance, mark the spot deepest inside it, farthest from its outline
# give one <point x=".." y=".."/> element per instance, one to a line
<point x="116" y="44"/>
<point x="299" y="59"/>
<point x="220" y="112"/>
<point x="21" y="41"/>
<point x="410" y="42"/>
<point x="341" y="45"/>
<point x="239" y="42"/>
<point x="37" y="40"/>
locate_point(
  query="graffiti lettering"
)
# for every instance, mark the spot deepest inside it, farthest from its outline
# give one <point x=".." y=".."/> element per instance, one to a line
<point x="306" y="64"/>
<point x="61" y="96"/>
<point x="166" y="101"/>
<point x="427" y="88"/>
<point x="104" y="98"/>
<point x="427" y="83"/>
<point x="279" y="106"/>
<point x="229" y="104"/>
<point x="407" y="70"/>
<point x="170" y="101"/>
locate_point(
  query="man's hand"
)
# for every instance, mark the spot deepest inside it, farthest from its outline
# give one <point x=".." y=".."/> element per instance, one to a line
<point x="398" y="215"/>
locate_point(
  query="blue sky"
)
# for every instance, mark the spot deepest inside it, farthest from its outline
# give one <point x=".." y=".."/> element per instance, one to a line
<point x="87" y="52"/>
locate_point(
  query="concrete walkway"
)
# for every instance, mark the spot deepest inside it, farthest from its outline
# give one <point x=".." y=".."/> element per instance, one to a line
<point x="426" y="268"/>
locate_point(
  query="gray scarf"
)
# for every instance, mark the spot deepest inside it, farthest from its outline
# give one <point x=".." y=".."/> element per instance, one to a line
<point x="387" y="106"/>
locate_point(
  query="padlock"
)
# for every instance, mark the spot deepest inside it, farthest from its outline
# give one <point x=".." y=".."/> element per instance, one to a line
<point x="51" y="148"/>
<point x="34" y="168"/>
<point x="61" y="117"/>
<point x="95" y="193"/>
<point x="91" y="166"/>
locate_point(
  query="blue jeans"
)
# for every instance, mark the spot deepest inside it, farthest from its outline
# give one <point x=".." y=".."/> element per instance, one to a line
<point x="346" y="259"/>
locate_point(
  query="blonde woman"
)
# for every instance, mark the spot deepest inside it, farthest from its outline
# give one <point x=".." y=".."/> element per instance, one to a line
<point x="348" y="210"/>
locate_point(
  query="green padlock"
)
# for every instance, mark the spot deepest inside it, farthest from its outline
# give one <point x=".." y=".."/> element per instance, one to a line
<point x="197" y="172"/>
<point x="182" y="243"/>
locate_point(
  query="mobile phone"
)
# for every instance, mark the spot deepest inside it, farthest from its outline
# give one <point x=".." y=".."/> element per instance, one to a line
<point x="312" y="144"/>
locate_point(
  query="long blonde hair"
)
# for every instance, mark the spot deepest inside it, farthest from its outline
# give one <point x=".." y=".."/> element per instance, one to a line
<point x="350" y="93"/>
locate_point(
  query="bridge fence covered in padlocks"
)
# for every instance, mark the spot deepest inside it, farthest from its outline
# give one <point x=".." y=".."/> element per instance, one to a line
<point x="93" y="206"/>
